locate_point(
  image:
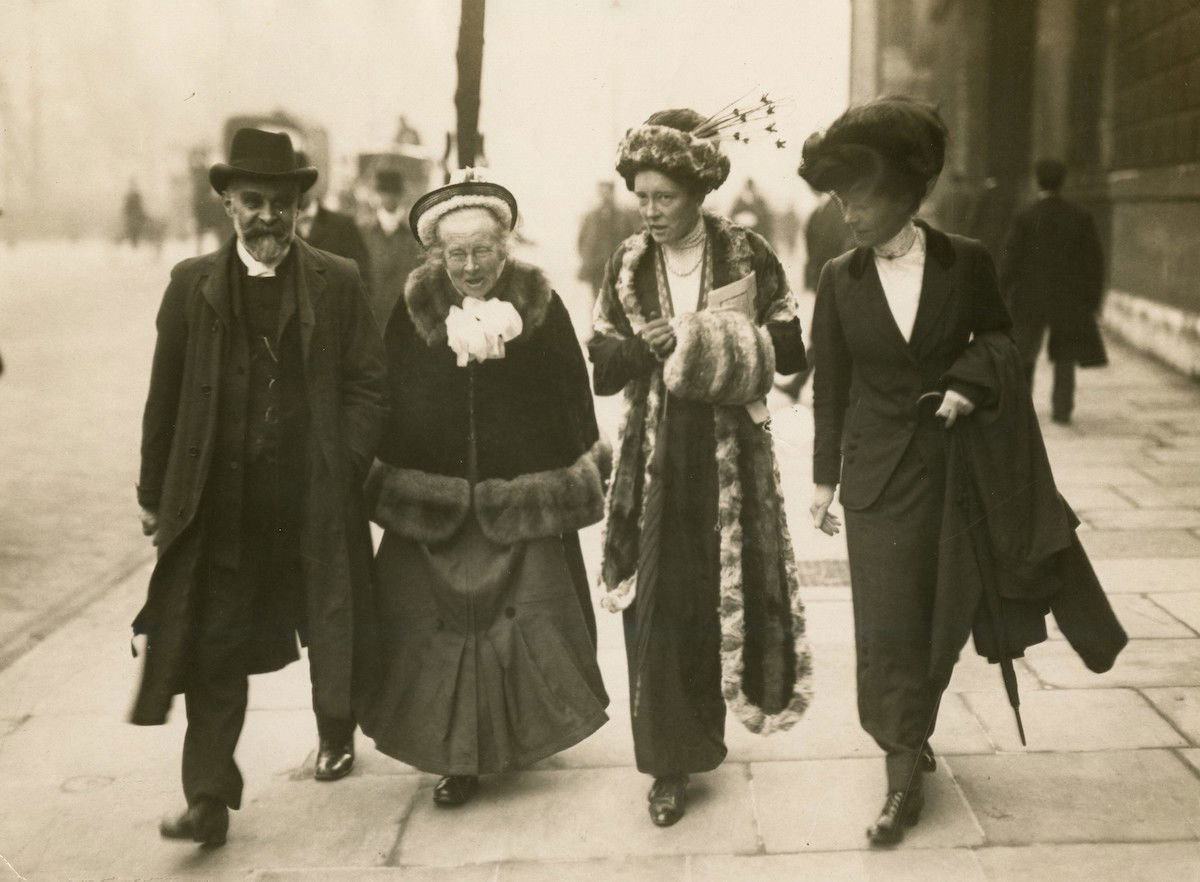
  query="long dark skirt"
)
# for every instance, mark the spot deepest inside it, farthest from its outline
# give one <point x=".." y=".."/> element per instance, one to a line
<point x="677" y="707"/>
<point x="893" y="548"/>
<point x="488" y="661"/>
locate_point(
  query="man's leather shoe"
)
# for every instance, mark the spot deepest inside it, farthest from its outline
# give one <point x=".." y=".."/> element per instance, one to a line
<point x="455" y="789"/>
<point x="206" y="821"/>
<point x="335" y="759"/>
<point x="668" y="799"/>
<point x="901" y="810"/>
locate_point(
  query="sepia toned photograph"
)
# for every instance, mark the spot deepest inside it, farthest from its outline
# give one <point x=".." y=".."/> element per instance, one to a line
<point x="636" y="440"/>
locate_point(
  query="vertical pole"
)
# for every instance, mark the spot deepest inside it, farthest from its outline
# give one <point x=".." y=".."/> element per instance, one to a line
<point x="470" y="76"/>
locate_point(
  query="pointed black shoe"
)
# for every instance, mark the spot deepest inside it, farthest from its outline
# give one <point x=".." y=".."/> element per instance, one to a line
<point x="668" y="799"/>
<point x="335" y="759"/>
<point x="454" y="790"/>
<point x="206" y="821"/>
<point x="901" y="810"/>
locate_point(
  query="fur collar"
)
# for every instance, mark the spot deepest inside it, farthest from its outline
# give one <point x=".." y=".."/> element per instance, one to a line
<point x="732" y="257"/>
<point x="429" y="295"/>
<point x="937" y="245"/>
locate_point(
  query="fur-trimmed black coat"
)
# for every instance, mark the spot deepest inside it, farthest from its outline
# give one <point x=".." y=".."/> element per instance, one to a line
<point x="539" y="466"/>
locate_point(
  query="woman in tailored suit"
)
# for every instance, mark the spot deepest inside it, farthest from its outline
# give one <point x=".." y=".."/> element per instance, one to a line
<point x="892" y="318"/>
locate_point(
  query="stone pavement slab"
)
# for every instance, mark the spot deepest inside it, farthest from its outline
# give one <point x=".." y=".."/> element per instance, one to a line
<point x="1184" y="605"/>
<point x="1109" y="796"/>
<point x="900" y="865"/>
<point x="1155" y="496"/>
<point x="579" y="814"/>
<point x="1143" y="518"/>
<point x="1141" y="663"/>
<point x="626" y="870"/>
<point x="1180" y="705"/>
<point x="1171" y="475"/>
<point x="1192" y="756"/>
<point x="826" y="805"/>
<point x="1094" y="862"/>
<point x="1064" y="719"/>
<point x="480" y="873"/>
<point x="1102" y="544"/>
<point x="1141" y="617"/>
<point x="1147" y="575"/>
<point x="1068" y="476"/>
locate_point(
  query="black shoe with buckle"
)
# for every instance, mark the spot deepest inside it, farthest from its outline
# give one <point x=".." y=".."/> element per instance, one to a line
<point x="454" y="790"/>
<point x="668" y="799"/>
<point x="335" y="759"/>
<point x="205" y="821"/>
<point x="901" y="810"/>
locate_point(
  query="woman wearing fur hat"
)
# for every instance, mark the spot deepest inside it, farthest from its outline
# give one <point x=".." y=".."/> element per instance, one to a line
<point x="693" y="320"/>
<point x="490" y="461"/>
<point x="892" y="319"/>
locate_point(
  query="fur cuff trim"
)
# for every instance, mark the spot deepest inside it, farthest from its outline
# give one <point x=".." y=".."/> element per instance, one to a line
<point x="546" y="503"/>
<point x="620" y="598"/>
<point x="429" y="295"/>
<point x="418" y="505"/>
<point x="720" y="358"/>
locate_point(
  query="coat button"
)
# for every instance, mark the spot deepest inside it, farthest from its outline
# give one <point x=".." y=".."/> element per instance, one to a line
<point x="233" y="465"/>
<point x="193" y="451"/>
<point x="179" y="511"/>
<point x="206" y="389"/>
<point x="510" y="612"/>
<point x="216" y="326"/>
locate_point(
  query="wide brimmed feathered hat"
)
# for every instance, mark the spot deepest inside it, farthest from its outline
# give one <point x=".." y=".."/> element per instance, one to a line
<point x="667" y="143"/>
<point x="886" y="138"/>
<point x="258" y="155"/>
<point x="470" y="192"/>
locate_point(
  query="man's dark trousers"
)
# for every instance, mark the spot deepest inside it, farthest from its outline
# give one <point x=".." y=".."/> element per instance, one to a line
<point x="1028" y="338"/>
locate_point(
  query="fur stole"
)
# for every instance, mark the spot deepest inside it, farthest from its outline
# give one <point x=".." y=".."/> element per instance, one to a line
<point x="758" y="577"/>
<point x="430" y="508"/>
<point x="429" y="295"/>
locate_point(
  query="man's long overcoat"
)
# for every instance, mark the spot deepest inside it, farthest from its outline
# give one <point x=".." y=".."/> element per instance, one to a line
<point x="345" y="383"/>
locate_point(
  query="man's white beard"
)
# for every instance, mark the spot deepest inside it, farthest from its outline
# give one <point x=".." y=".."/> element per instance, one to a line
<point x="267" y="250"/>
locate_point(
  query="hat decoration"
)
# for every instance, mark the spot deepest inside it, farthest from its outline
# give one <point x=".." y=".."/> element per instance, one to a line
<point x="688" y="145"/>
<point x="471" y="191"/>
<point x="260" y="155"/>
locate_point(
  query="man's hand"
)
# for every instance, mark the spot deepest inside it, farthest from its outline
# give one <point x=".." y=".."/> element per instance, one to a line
<point x="954" y="406"/>
<point x="149" y="522"/>
<point x="660" y="337"/>
<point x="823" y="520"/>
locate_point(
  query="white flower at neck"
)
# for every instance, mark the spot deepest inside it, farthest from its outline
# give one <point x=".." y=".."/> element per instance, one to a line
<point x="478" y="330"/>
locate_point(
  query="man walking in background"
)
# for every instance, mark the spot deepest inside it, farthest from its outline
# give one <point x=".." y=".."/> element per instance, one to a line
<point x="391" y="248"/>
<point x="1052" y="275"/>
<point x="330" y="230"/>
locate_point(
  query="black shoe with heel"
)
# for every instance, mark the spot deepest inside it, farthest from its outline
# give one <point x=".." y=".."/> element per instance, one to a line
<point x="901" y="810"/>
<point x="455" y="790"/>
<point x="668" y="798"/>
<point x="205" y="821"/>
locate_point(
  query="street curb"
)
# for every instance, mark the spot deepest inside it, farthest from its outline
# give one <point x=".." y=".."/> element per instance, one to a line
<point x="41" y="627"/>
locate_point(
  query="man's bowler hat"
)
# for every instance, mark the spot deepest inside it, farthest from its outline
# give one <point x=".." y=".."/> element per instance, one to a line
<point x="260" y="155"/>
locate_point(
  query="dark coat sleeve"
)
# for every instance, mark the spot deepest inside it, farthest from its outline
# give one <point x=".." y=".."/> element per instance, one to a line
<point x="831" y="381"/>
<point x="363" y="378"/>
<point x="617" y="354"/>
<point x="989" y="315"/>
<point x="162" y="402"/>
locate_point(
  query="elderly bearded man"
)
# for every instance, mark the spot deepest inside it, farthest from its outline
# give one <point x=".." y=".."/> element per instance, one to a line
<point x="267" y="396"/>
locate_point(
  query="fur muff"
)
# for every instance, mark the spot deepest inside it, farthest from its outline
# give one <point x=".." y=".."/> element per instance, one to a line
<point x="720" y="358"/>
<point x="429" y="296"/>
<point x="546" y="503"/>
<point x="418" y="505"/>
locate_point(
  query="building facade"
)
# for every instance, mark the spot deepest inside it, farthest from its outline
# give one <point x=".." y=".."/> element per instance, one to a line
<point x="1111" y="87"/>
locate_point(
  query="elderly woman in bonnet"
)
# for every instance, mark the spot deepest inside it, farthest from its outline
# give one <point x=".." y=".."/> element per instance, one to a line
<point x="489" y="464"/>
<point x="694" y="318"/>
<point x="892" y="319"/>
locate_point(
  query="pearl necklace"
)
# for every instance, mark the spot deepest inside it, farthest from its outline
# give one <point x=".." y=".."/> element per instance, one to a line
<point x="676" y="255"/>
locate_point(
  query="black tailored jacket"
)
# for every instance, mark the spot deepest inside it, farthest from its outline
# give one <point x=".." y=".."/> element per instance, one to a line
<point x="868" y="379"/>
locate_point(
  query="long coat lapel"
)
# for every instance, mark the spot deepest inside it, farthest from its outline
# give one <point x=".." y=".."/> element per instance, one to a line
<point x="215" y="286"/>
<point x="871" y="303"/>
<point x="937" y="285"/>
<point x="310" y="285"/>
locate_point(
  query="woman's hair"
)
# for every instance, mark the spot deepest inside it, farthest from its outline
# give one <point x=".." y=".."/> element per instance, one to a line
<point x="892" y="145"/>
<point x="665" y="143"/>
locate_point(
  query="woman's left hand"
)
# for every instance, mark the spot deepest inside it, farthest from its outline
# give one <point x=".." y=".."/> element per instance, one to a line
<point x="953" y="406"/>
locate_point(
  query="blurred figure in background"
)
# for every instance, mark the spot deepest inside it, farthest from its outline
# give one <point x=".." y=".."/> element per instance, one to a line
<point x="789" y="229"/>
<point x="392" y="251"/>
<point x="603" y="228"/>
<point x="329" y="230"/>
<point x="750" y="210"/>
<point x="1052" y="275"/>
<point x="133" y="216"/>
